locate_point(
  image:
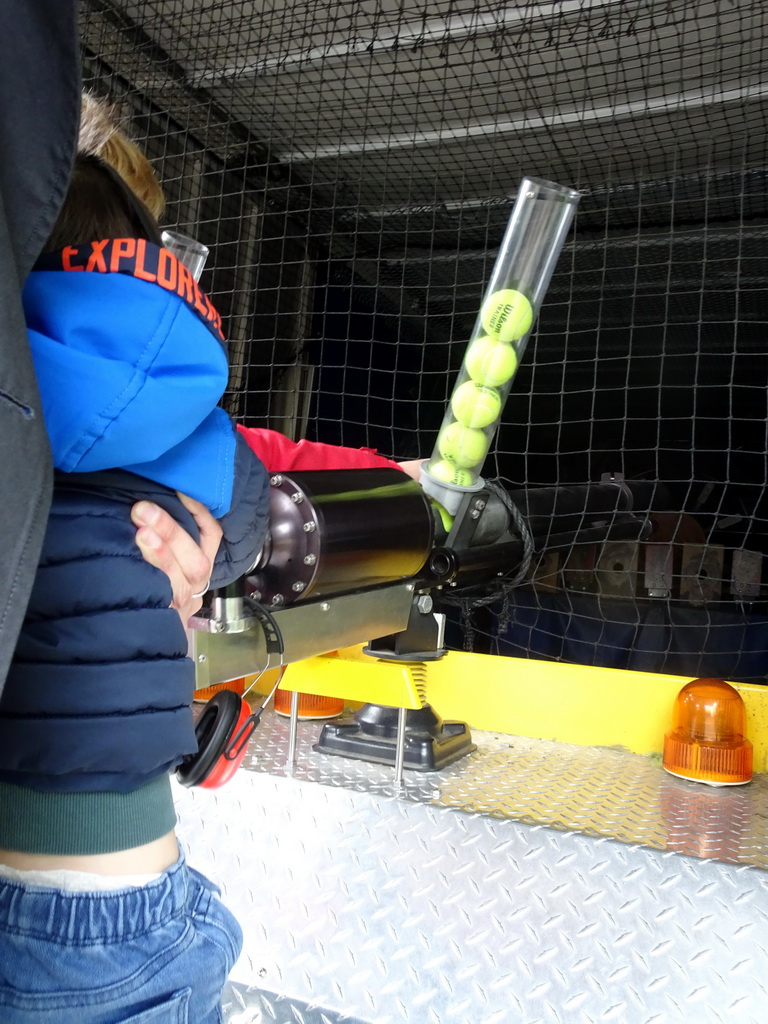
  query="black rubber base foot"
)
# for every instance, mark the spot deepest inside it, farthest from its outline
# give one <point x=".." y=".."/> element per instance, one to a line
<point x="371" y="735"/>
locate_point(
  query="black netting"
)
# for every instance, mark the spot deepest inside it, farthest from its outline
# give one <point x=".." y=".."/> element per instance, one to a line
<point x="353" y="167"/>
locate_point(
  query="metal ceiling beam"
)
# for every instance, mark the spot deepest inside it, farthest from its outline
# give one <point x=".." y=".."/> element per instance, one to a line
<point x="696" y="99"/>
<point x="411" y="35"/>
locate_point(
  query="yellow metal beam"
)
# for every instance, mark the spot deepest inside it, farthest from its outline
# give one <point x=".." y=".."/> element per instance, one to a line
<point x="521" y="696"/>
<point x="395" y="684"/>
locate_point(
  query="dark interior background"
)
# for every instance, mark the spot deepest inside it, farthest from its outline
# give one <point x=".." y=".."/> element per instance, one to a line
<point x="353" y="166"/>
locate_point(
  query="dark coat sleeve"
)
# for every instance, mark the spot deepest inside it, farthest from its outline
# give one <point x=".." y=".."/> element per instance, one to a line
<point x="245" y="525"/>
<point x="39" y="111"/>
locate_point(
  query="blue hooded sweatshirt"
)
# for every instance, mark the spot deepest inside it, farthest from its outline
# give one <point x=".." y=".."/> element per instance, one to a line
<point x="131" y="366"/>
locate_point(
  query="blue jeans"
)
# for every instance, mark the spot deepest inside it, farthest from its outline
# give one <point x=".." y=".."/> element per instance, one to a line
<point x="158" y="954"/>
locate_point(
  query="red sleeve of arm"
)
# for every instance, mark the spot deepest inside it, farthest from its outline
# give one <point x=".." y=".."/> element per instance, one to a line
<point x="281" y="455"/>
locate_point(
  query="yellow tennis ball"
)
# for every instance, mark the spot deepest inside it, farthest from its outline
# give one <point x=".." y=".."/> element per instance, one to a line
<point x="463" y="446"/>
<point x="507" y="315"/>
<point x="450" y="474"/>
<point x="475" y="405"/>
<point x="490" y="362"/>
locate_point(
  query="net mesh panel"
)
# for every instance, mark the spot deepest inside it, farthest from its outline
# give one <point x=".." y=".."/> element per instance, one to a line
<point x="353" y="166"/>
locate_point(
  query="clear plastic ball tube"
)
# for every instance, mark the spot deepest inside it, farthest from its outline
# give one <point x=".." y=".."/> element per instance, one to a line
<point x="538" y="225"/>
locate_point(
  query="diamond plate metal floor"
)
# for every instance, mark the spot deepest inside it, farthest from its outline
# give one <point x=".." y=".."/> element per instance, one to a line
<point x="530" y="882"/>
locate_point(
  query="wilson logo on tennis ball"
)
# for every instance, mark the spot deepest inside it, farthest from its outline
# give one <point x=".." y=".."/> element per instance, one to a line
<point x="507" y="315"/>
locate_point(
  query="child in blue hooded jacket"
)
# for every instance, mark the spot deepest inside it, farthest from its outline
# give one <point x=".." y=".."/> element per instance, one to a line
<point x="101" y="920"/>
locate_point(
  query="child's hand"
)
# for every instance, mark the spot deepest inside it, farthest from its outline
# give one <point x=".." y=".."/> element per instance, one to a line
<point x="168" y="547"/>
<point x="413" y="468"/>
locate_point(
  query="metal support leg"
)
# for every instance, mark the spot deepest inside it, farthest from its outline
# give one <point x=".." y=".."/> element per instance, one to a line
<point x="400" y="749"/>
<point x="294" y="726"/>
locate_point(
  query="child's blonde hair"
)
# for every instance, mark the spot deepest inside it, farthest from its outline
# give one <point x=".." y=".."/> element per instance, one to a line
<point x="100" y="136"/>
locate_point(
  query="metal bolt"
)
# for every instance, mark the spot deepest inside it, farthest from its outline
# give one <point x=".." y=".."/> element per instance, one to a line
<point x="474" y="514"/>
<point x="298" y="586"/>
<point x="424" y="604"/>
<point x="256" y="595"/>
<point x="310" y="559"/>
<point x="325" y="607"/>
<point x="276" y="480"/>
<point x="217" y="626"/>
<point x="297" y="497"/>
<point x="201" y="658"/>
<point x="278" y="599"/>
<point x="310" y="527"/>
<point x="410" y="587"/>
<point x="480" y="504"/>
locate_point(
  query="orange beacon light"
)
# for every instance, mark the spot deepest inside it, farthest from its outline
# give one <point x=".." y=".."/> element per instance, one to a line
<point x="707" y="742"/>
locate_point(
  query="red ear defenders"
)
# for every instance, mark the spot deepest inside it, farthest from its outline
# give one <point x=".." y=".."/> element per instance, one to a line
<point x="226" y="723"/>
<point x="222" y="731"/>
